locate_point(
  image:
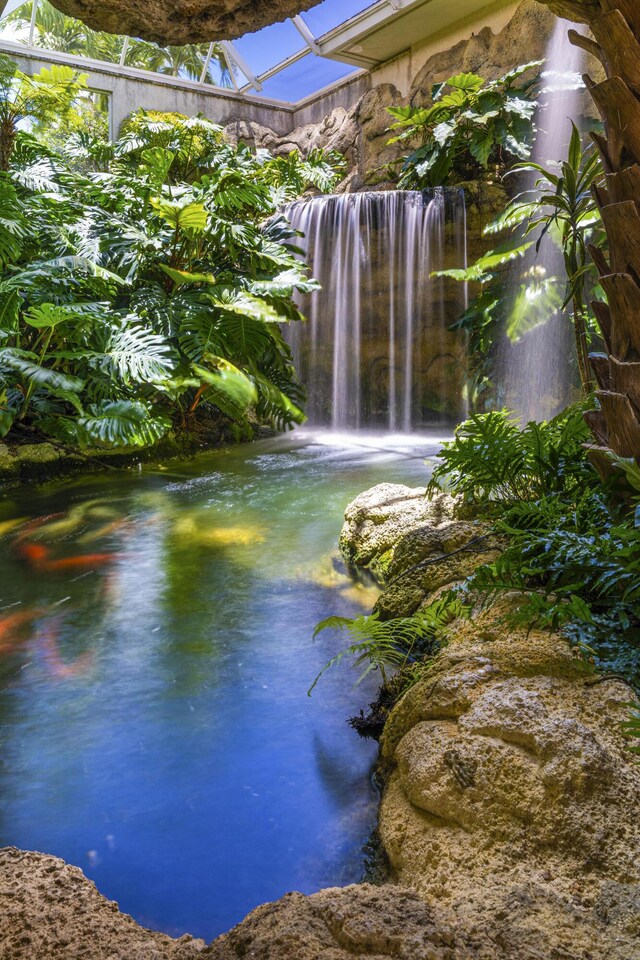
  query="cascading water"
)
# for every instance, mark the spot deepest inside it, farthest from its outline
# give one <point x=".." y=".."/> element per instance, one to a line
<point x="537" y="372"/>
<point x="375" y="350"/>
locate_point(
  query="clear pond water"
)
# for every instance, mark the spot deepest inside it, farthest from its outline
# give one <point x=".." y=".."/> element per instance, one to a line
<point x="155" y="655"/>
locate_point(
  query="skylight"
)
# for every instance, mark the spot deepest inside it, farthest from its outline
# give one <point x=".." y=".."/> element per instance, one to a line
<point x="284" y="62"/>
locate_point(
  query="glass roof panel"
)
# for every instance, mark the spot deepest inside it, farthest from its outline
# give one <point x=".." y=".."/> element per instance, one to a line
<point x="269" y="46"/>
<point x="331" y="13"/>
<point x="305" y="77"/>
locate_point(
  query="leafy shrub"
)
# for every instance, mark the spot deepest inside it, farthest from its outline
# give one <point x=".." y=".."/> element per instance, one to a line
<point x="132" y="294"/>
<point x="492" y="459"/>
<point x="573" y="545"/>
<point x="471" y="123"/>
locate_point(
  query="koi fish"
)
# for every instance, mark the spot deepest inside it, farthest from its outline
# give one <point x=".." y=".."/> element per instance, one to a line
<point x="77" y="563"/>
<point x="35" y="553"/>
<point x="32" y="525"/>
<point x="104" y="531"/>
<point x="39" y="557"/>
<point x="6" y="526"/>
<point x="10" y="626"/>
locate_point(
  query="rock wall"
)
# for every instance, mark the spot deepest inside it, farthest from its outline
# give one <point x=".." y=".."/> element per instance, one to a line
<point x="361" y="133"/>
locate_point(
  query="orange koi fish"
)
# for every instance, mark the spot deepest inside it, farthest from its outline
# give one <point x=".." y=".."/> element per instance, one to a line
<point x="35" y="553"/>
<point x="77" y="563"/>
<point x="10" y="626"/>
<point x="39" y="557"/>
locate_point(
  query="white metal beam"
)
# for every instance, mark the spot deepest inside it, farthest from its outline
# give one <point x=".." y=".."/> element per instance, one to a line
<point x="207" y="61"/>
<point x="32" y="25"/>
<point x="235" y="55"/>
<point x="306" y="34"/>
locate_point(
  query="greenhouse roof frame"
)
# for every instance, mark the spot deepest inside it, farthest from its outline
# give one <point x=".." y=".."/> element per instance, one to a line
<point x="372" y="34"/>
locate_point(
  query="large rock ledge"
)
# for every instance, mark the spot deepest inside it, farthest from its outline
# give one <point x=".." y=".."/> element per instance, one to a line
<point x="509" y="814"/>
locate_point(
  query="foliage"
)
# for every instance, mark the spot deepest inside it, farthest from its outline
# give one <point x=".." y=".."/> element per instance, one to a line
<point x="41" y="98"/>
<point x="572" y="558"/>
<point x="470" y="124"/>
<point x="392" y="644"/>
<point x="156" y="282"/>
<point x="559" y="204"/>
<point x="632" y="727"/>
<point x="492" y="458"/>
<point x="563" y="201"/>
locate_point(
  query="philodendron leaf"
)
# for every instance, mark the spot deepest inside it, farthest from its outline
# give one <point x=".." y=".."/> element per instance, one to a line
<point x="228" y="387"/>
<point x="46" y="316"/>
<point x="7" y="416"/>
<point x="182" y="277"/>
<point x="190" y="216"/>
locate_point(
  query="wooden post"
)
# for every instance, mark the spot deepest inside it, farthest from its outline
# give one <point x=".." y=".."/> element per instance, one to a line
<point x="615" y="25"/>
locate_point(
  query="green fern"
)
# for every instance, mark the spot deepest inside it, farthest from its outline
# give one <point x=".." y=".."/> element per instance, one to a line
<point x="392" y="644"/>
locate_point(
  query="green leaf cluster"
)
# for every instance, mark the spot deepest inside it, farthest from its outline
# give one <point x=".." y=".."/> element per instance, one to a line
<point x="386" y="645"/>
<point x="470" y="124"/>
<point x="136" y="289"/>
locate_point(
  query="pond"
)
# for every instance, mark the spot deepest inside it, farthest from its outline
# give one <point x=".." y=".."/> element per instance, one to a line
<point x="155" y="655"/>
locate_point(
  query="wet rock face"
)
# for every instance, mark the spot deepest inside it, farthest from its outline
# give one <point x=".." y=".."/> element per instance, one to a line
<point x="415" y="545"/>
<point x="181" y="21"/>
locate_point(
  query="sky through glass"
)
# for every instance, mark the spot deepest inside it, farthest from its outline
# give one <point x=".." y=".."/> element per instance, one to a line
<point x="279" y="62"/>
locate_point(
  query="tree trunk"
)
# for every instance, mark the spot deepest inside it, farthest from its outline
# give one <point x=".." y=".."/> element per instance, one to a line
<point x="615" y="24"/>
<point x="7" y="141"/>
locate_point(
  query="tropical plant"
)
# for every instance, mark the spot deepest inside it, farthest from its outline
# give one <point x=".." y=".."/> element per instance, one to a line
<point x="561" y="205"/>
<point x="46" y="96"/>
<point x="562" y="201"/>
<point x="572" y="545"/>
<point x="493" y="459"/>
<point x="615" y="25"/>
<point x="392" y="644"/>
<point x="130" y="296"/>
<point x="470" y="124"/>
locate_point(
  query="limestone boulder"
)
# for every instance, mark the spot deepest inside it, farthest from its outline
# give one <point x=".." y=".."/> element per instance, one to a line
<point x="414" y="544"/>
<point x="340" y="923"/>
<point x="182" y="21"/>
<point x="510" y="794"/>
<point x="50" y="911"/>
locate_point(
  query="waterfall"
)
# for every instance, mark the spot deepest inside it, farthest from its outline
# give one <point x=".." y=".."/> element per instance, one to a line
<point x="537" y="372"/>
<point x="375" y="350"/>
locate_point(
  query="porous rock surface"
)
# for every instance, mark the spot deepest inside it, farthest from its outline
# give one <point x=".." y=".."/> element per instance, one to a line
<point x="181" y="21"/>
<point x="510" y="792"/>
<point x="413" y="544"/>
<point x="50" y="911"/>
<point x="509" y="812"/>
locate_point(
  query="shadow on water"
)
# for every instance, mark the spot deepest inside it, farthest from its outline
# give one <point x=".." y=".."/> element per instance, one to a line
<point x="155" y="657"/>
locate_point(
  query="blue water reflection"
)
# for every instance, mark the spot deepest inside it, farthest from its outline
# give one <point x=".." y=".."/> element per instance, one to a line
<point x="155" y="656"/>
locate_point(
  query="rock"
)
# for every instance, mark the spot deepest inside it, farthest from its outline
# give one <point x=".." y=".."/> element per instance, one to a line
<point x="509" y="795"/>
<point x="413" y="543"/>
<point x="37" y="461"/>
<point x="181" y="21"/>
<point x="9" y="466"/>
<point x="374" y="521"/>
<point x="49" y="910"/>
<point x="336" y="924"/>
